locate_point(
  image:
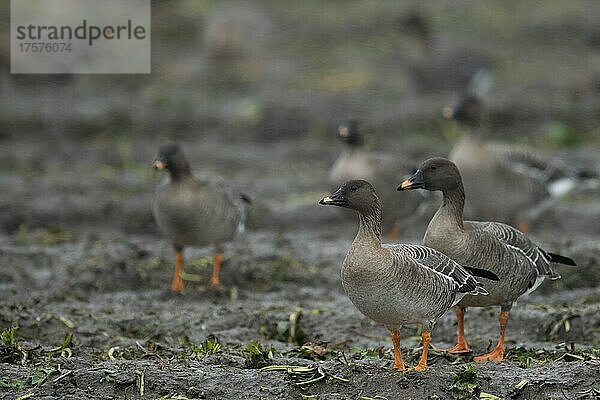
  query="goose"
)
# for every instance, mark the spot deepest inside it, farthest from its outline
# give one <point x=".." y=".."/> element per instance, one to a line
<point x="440" y="63"/>
<point x="193" y="211"/>
<point x="397" y="284"/>
<point x="489" y="169"/>
<point x="520" y="264"/>
<point x="356" y="161"/>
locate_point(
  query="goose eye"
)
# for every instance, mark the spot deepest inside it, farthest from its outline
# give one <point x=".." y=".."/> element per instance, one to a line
<point x="353" y="187"/>
<point x="433" y="167"/>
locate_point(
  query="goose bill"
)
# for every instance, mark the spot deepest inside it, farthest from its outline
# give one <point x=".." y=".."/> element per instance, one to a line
<point x="159" y="165"/>
<point x="448" y="112"/>
<point x="415" y="181"/>
<point x="335" y="199"/>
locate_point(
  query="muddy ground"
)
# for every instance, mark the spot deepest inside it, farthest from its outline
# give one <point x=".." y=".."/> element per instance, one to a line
<point x="85" y="309"/>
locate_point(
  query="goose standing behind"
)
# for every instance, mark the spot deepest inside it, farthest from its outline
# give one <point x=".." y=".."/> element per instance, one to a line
<point x="357" y="162"/>
<point x="490" y="169"/>
<point x="192" y="211"/>
<point x="440" y="63"/>
<point x="519" y="263"/>
<point x="399" y="284"/>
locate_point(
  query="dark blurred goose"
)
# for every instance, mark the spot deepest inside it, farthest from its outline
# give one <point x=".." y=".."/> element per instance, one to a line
<point x="191" y="211"/>
<point x="398" y="284"/>
<point x="491" y="169"/>
<point x="357" y="162"/>
<point x="520" y="264"/>
<point x="439" y="63"/>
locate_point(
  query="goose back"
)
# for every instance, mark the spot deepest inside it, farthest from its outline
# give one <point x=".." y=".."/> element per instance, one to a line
<point x="198" y="211"/>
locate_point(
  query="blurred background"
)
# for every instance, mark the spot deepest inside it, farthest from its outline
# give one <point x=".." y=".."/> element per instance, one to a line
<point x="255" y="90"/>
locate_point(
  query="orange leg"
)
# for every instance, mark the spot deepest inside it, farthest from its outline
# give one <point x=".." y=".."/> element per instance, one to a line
<point x="425" y="339"/>
<point x="177" y="282"/>
<point x="217" y="262"/>
<point x="394" y="233"/>
<point x="398" y="363"/>
<point x="498" y="353"/>
<point x="462" y="346"/>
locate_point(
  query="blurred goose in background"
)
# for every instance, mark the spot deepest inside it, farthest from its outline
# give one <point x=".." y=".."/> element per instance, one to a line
<point x="397" y="284"/>
<point x="357" y="162"/>
<point x="520" y="264"/>
<point x="491" y="169"/>
<point x="192" y="211"/>
<point x="440" y="64"/>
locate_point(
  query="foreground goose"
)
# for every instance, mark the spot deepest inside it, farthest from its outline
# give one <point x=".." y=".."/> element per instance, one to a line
<point x="192" y="211"/>
<point x="398" y="284"/>
<point x="357" y="162"/>
<point x="519" y="263"/>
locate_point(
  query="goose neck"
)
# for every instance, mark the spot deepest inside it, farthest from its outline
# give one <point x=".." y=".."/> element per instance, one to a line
<point x="453" y="205"/>
<point x="369" y="227"/>
<point x="476" y="133"/>
<point x="180" y="173"/>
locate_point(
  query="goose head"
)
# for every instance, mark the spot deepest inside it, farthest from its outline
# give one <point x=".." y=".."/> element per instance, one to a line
<point x="350" y="134"/>
<point x="467" y="110"/>
<point x="170" y="157"/>
<point x="434" y="174"/>
<point x="357" y="195"/>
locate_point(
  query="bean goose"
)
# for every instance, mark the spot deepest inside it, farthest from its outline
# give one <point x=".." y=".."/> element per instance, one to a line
<point x="490" y="169"/>
<point x="520" y="264"/>
<point x="191" y="211"/>
<point x="440" y="63"/>
<point x="357" y="162"/>
<point x="398" y="284"/>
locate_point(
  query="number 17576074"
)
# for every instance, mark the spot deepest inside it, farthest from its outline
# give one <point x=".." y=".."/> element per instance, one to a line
<point x="45" y="47"/>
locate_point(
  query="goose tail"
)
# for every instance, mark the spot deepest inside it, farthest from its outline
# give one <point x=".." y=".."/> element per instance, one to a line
<point x="557" y="258"/>
<point x="482" y="273"/>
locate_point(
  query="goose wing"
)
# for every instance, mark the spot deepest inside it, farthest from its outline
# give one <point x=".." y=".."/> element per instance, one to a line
<point x="220" y="187"/>
<point x="520" y="243"/>
<point x="441" y="264"/>
<point x="547" y="170"/>
<point x="525" y="162"/>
